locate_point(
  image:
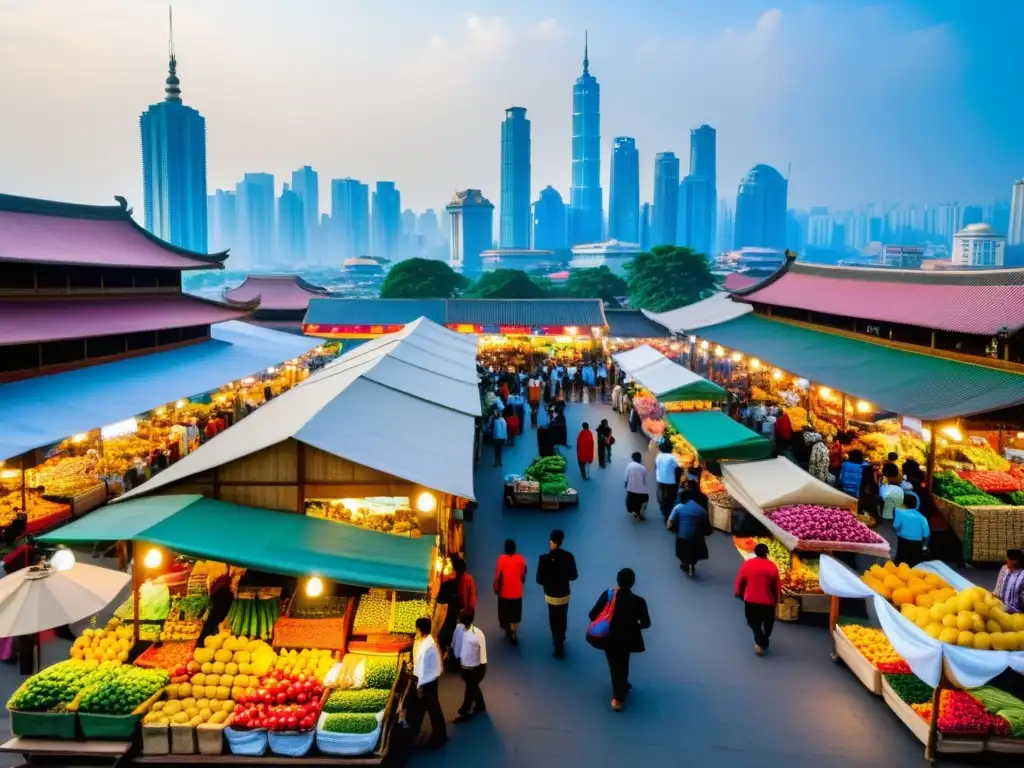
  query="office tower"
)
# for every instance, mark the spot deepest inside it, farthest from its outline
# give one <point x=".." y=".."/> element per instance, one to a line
<point x="796" y="230"/>
<point x="761" y="209"/>
<point x="174" y="166"/>
<point x="585" y="197"/>
<point x="291" y="228"/>
<point x="471" y="218"/>
<point x="550" y="232"/>
<point x="725" y="233"/>
<point x="222" y="220"/>
<point x="624" y="203"/>
<point x="514" y="231"/>
<point x="256" y="219"/>
<point x="698" y="195"/>
<point x="666" y="198"/>
<point x="427" y="225"/>
<point x="306" y="184"/>
<point x="350" y="219"/>
<point x="646" y="226"/>
<point x="1016" y="228"/>
<point x="387" y="207"/>
<point x="946" y="222"/>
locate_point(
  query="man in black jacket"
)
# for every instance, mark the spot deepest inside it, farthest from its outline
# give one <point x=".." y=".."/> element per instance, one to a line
<point x="554" y="572"/>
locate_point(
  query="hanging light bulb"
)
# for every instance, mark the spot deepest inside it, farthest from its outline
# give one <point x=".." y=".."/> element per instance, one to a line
<point x="153" y="558"/>
<point x="314" y="587"/>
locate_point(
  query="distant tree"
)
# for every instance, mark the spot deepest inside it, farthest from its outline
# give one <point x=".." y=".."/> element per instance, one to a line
<point x="669" y="277"/>
<point x="422" y="279"/>
<point x="506" y="284"/>
<point x="595" y="283"/>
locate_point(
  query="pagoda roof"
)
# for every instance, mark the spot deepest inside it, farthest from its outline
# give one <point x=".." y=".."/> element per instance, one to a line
<point x="50" y="232"/>
<point x="29" y="321"/>
<point x="734" y="281"/>
<point x="975" y="301"/>
<point x="276" y="292"/>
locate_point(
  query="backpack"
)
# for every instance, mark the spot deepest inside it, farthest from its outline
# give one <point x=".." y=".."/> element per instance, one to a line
<point x="601" y="627"/>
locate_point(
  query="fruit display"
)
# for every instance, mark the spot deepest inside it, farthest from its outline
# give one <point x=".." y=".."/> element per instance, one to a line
<point x="961" y="713"/>
<point x="364" y="700"/>
<point x="381" y="673"/>
<point x="876" y="446"/>
<point x="154" y="603"/>
<point x="373" y="612"/>
<point x="310" y="633"/>
<point x="777" y="551"/>
<point x="972" y="618"/>
<point x="874" y="646"/>
<point x="711" y="484"/>
<point x="122" y="690"/>
<point x="910" y="688"/>
<point x="682" y="450"/>
<point x="647" y="406"/>
<point x="373" y="514"/>
<point x="350" y="723"/>
<point x="227" y="654"/>
<point x="204" y="573"/>
<point x="802" y="576"/>
<point x="948" y="485"/>
<point x="38" y="508"/>
<point x="990" y="481"/>
<point x="181" y="630"/>
<point x="813" y="523"/>
<point x="654" y="428"/>
<point x="253" y="617"/>
<point x="189" y="711"/>
<point x="281" y="703"/>
<point x="65" y="477"/>
<point x="904" y="585"/>
<point x="406" y="613"/>
<point x="982" y="457"/>
<point x="111" y="644"/>
<point x="549" y="471"/>
<point x="192" y="607"/>
<point x="56" y="687"/>
<point x="171" y="656"/>
<point x="303" y="607"/>
<point x="1001" y="703"/>
<point x="310" y="662"/>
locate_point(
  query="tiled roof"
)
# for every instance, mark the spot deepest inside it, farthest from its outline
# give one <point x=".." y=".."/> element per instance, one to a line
<point x="288" y="292"/>
<point x="633" y="324"/>
<point x="734" y="281"/>
<point x="26" y="321"/>
<point x="963" y="301"/>
<point x="582" y="313"/>
<point x="48" y="232"/>
<point x="373" y="311"/>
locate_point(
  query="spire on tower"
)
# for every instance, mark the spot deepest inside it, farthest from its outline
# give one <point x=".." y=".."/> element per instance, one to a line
<point x="586" y="58"/>
<point x="172" y="91"/>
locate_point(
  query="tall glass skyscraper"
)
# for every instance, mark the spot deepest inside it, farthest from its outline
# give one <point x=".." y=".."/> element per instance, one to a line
<point x="306" y="184"/>
<point x="698" y="195"/>
<point x="174" y="167"/>
<point x="255" y="194"/>
<point x="515" y="179"/>
<point x="387" y="220"/>
<point x="666" y="199"/>
<point x="585" y="196"/>
<point x="624" y="203"/>
<point x="291" y="227"/>
<point x="1016" y="228"/>
<point x="350" y="219"/>
<point x="549" y="219"/>
<point x="761" y="209"/>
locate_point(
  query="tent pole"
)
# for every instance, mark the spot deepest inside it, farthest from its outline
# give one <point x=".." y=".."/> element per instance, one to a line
<point x="135" y="590"/>
<point x="833" y="621"/>
<point x="844" y="411"/>
<point x="930" y="464"/>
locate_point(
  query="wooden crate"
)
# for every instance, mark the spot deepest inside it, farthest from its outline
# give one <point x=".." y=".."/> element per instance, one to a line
<point x="549" y="501"/>
<point x="862" y="669"/>
<point x="1004" y="745"/>
<point x="905" y="712"/>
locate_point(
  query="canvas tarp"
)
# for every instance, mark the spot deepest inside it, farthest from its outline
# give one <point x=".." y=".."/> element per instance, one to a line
<point x="715" y="436"/>
<point x="666" y="380"/>
<point x="276" y="542"/>
<point x="634" y="359"/>
<point x="761" y="486"/>
<point x="713" y="310"/>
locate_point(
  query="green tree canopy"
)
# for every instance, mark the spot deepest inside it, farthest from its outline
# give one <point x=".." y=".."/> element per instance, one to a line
<point x="669" y="277"/>
<point x="506" y="284"/>
<point x="595" y="283"/>
<point x="422" y="279"/>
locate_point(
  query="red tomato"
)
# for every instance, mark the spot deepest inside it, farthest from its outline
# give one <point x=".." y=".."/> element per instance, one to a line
<point x="306" y="723"/>
<point x="293" y="722"/>
<point x="302" y="698"/>
<point x="292" y="691"/>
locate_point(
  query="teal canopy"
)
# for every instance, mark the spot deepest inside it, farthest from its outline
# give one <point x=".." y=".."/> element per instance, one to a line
<point x="277" y="542"/>
<point x="715" y="436"/>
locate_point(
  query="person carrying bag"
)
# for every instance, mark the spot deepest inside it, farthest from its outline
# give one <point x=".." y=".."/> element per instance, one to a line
<point x="617" y="621"/>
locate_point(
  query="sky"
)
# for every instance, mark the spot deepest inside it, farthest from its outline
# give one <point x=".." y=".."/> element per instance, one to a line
<point x="900" y="101"/>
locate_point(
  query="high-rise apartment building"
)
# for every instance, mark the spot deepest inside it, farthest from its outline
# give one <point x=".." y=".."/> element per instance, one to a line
<point x="698" y="194"/>
<point x="174" y="167"/>
<point x="585" y="197"/>
<point x="549" y="221"/>
<point x="761" y="209"/>
<point x="471" y="217"/>
<point x="514" y="229"/>
<point x="306" y="184"/>
<point x="255" y="194"/>
<point x="387" y="225"/>
<point x="291" y="228"/>
<point x="350" y="220"/>
<point x="666" y="198"/>
<point x="624" y="196"/>
<point x="1016" y="228"/>
<point x="222" y="220"/>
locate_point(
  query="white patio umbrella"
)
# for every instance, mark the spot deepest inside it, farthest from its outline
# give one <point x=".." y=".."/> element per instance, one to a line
<point x="42" y="597"/>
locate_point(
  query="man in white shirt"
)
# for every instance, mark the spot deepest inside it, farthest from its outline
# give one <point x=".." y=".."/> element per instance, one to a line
<point x="666" y="475"/>
<point x="470" y="648"/>
<point x="499" y="437"/>
<point x="426" y="670"/>
<point x="636" y="487"/>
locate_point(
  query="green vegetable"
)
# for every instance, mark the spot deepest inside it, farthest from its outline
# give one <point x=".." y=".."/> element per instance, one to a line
<point x="910" y="688"/>
<point x="1007" y="706"/>
<point x="373" y="611"/>
<point x="381" y="673"/>
<point x="56" y="686"/>
<point x="406" y="613"/>
<point x="547" y="469"/>
<point x="366" y="700"/>
<point x="555" y="487"/>
<point x="950" y="485"/>
<point x="1017" y="498"/>
<point x="350" y="723"/>
<point x="123" y="690"/>
<point x="154" y="603"/>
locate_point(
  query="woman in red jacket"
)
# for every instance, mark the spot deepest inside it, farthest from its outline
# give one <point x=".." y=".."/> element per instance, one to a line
<point x="759" y="586"/>
<point x="585" y="449"/>
<point x="509" y="577"/>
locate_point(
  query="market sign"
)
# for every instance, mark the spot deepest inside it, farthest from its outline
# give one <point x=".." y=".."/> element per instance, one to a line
<point x="351" y="331"/>
<point x="515" y="330"/>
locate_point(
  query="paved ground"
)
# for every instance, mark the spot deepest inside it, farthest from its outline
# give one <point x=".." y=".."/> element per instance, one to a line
<point x="701" y="698"/>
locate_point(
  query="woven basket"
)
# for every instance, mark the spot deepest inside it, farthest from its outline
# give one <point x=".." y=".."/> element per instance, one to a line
<point x="788" y="609"/>
<point x="993" y="530"/>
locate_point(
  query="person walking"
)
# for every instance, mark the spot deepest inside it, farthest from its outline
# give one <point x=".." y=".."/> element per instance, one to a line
<point x="513" y="427"/>
<point x="636" y="487"/>
<point x="555" y="570"/>
<point x="602" y="380"/>
<point x="459" y="593"/>
<point x="667" y="473"/>
<point x="426" y="671"/>
<point x="625" y="634"/>
<point x="1010" y="582"/>
<point x="912" y="531"/>
<point x="604" y="443"/>
<point x="585" y="449"/>
<point x="509" y="577"/>
<point x="470" y="648"/>
<point x="499" y="435"/>
<point x="690" y="523"/>
<point x="759" y="586"/>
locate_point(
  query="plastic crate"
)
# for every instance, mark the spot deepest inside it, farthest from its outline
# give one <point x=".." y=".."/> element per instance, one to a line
<point x="43" y="725"/>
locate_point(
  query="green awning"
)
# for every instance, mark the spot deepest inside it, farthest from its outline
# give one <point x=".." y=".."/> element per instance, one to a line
<point x="715" y="436"/>
<point x="908" y="383"/>
<point x="277" y="542"/>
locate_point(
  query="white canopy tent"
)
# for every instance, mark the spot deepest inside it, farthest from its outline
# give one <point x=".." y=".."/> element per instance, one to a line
<point x="404" y="404"/>
<point x="634" y="359"/>
<point x="719" y="308"/>
<point x="761" y="486"/>
<point x="666" y="380"/>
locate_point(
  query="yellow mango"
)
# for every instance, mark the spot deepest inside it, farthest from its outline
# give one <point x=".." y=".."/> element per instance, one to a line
<point x="949" y="635"/>
<point x="199" y="679"/>
<point x="223" y="692"/>
<point x="213" y="680"/>
<point x="222" y="656"/>
<point x="231" y="668"/>
<point x="218" y="667"/>
<point x="965" y="639"/>
<point x="982" y="641"/>
<point x="949" y="620"/>
<point x="180" y="718"/>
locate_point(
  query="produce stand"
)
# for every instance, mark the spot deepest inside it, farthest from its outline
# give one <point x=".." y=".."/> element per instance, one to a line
<point x="543" y="484"/>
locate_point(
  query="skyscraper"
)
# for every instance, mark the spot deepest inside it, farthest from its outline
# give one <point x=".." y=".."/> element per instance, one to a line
<point x="585" y="196"/>
<point x="306" y="184"/>
<point x="761" y="209"/>
<point x="255" y="194"/>
<point x="222" y="220"/>
<point x="549" y="221"/>
<point x="291" y="227"/>
<point x="666" y="199"/>
<point x="698" y="195"/>
<point x="387" y="226"/>
<point x="724" y="237"/>
<point x="515" y="179"/>
<point x="647" y="226"/>
<point x="174" y="166"/>
<point x="350" y="219"/>
<point x="624" y="203"/>
<point x="1016" y="228"/>
<point x="471" y="217"/>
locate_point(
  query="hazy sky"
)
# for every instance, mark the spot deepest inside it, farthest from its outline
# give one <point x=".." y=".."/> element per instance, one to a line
<point x="893" y="101"/>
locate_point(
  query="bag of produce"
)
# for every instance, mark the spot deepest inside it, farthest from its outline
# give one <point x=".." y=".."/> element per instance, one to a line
<point x="348" y="734"/>
<point x="291" y="743"/>
<point x="249" y="743"/>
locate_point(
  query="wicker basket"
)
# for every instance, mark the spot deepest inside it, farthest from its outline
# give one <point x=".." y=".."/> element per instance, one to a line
<point x="993" y="530"/>
<point x="721" y="516"/>
<point x="788" y="609"/>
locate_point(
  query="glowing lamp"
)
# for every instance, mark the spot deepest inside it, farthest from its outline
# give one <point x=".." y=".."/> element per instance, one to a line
<point x="314" y="587"/>
<point x="825" y="392"/>
<point x="953" y="434"/>
<point x="803" y="383"/>
<point x="62" y="560"/>
<point x="153" y="558"/>
<point x="777" y="374"/>
<point x="1020" y="435"/>
<point x="571" y="331"/>
<point x="864" y="407"/>
<point x="271" y="370"/>
<point x="755" y="364"/>
<point x="426" y="502"/>
<point x="674" y="347"/>
<point x="180" y="404"/>
<point x="9" y="474"/>
<point x="79" y="438"/>
<point x="736" y="357"/>
<point x="926" y="434"/>
<point x="719" y="351"/>
<point x="693" y="339"/>
<point x="438" y="564"/>
<point x="704" y="344"/>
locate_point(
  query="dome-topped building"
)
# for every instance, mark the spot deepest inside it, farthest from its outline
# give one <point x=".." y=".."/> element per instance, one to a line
<point x="978" y="245"/>
<point x="761" y="209"/>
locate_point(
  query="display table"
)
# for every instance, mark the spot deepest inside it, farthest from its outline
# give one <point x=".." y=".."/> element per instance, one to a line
<point x="863" y="669"/>
<point x="57" y="752"/>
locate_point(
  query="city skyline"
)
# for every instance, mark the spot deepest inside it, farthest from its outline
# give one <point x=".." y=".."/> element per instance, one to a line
<point x="832" y="164"/>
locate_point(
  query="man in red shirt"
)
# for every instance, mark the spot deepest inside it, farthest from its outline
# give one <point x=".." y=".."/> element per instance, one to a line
<point x="759" y="586"/>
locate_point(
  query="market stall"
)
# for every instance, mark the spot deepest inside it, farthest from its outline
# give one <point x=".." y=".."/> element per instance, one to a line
<point x="714" y="436"/>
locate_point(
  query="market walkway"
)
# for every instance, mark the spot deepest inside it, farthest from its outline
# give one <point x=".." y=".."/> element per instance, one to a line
<point x="701" y="697"/>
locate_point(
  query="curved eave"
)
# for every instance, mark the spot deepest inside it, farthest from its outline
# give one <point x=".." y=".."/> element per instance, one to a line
<point x="749" y="289"/>
<point x="240" y="306"/>
<point x="206" y="260"/>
